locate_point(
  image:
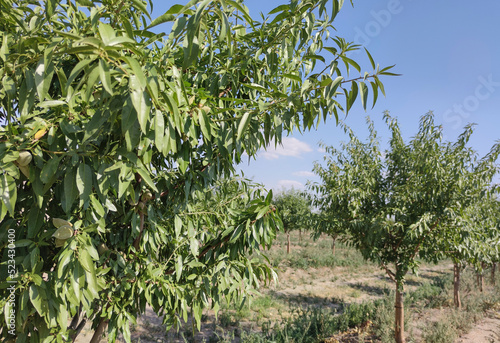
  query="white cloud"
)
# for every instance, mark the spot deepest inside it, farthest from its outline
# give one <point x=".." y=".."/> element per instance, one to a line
<point x="321" y="149"/>
<point x="290" y="184"/>
<point x="291" y="147"/>
<point x="304" y="173"/>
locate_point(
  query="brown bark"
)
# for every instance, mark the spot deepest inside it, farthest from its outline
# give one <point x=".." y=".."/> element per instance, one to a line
<point x="399" y="333"/>
<point x="333" y="244"/>
<point x="456" y="286"/>
<point x="493" y="268"/>
<point x="480" y="277"/>
<point x="103" y="324"/>
<point x="300" y="235"/>
<point x="287" y="242"/>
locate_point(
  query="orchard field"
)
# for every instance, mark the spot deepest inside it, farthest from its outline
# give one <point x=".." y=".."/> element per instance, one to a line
<point x="328" y="298"/>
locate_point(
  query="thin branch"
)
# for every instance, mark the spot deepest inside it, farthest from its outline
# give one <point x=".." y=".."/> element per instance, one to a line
<point x="392" y="276"/>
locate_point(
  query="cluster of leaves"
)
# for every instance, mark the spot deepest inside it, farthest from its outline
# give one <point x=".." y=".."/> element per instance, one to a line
<point x="124" y="133"/>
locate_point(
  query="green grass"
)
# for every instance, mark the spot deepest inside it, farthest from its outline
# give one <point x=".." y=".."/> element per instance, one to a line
<point x="313" y="254"/>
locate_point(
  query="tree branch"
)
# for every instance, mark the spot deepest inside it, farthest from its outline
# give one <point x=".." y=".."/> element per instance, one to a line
<point x="392" y="276"/>
<point x="96" y="338"/>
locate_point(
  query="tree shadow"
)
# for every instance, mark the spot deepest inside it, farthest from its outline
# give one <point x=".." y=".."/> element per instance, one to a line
<point x="370" y="289"/>
<point x="304" y="301"/>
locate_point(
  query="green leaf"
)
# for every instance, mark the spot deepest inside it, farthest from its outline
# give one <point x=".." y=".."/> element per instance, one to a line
<point x="146" y="178"/>
<point x="87" y="3"/>
<point x="76" y="281"/>
<point x="107" y="33"/>
<point x="9" y="86"/>
<point x="205" y="124"/>
<point x="137" y="70"/>
<point x="84" y="181"/>
<point x="140" y="101"/>
<point x="363" y="90"/>
<point x="315" y="57"/>
<point x="86" y="261"/>
<point x="23" y="243"/>
<point x="242" y="10"/>
<point x="43" y="77"/>
<point x="75" y="72"/>
<point x="52" y="103"/>
<point x="4" y="49"/>
<point x="159" y="128"/>
<point x="105" y="76"/>
<point x="9" y="193"/>
<point x="166" y="17"/>
<point x="351" y="98"/>
<point x="245" y="120"/>
<point x="120" y="40"/>
<point x="293" y="77"/>
<point x="375" y="93"/>
<point x="371" y="59"/>
<point x="351" y="62"/>
<point x="70" y="190"/>
<point x="280" y="8"/>
<point x="38" y="300"/>
<point x="96" y="205"/>
<point x="139" y="4"/>
<point x="178" y="268"/>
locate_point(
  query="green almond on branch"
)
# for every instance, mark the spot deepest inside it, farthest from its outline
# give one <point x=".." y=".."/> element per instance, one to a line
<point x="24" y="158"/>
<point x="64" y="232"/>
<point x="58" y="222"/>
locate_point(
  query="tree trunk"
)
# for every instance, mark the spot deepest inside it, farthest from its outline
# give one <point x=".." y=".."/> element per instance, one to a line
<point x="300" y="235"/>
<point x="399" y="333"/>
<point x="333" y="243"/>
<point x="287" y="242"/>
<point x="493" y="267"/>
<point x="456" y="286"/>
<point x="480" y="277"/>
<point x="103" y="324"/>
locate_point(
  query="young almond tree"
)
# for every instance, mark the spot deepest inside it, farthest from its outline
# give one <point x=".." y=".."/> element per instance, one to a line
<point x="294" y="211"/>
<point x="474" y="240"/>
<point x="398" y="204"/>
<point x="113" y="133"/>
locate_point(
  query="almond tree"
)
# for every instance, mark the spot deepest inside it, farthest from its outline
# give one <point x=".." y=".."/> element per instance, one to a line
<point x="112" y="134"/>
<point x="294" y="211"/>
<point x="400" y="204"/>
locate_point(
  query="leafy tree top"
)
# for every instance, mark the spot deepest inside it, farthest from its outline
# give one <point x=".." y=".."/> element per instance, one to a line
<point x="293" y="208"/>
<point x="402" y="202"/>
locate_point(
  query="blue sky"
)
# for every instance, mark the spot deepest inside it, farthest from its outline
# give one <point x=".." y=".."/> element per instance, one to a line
<point x="448" y="53"/>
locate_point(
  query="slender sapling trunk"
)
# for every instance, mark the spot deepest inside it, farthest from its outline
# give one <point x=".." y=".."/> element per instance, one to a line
<point x="493" y="267"/>
<point x="456" y="286"/>
<point x="399" y="334"/>
<point x="288" y="242"/>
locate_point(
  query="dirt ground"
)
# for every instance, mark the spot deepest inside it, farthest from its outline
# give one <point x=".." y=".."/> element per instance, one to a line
<point x="320" y="286"/>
